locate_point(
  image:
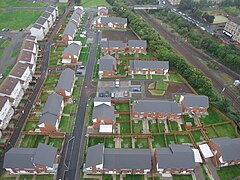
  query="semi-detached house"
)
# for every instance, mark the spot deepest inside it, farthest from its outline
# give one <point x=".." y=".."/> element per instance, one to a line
<point x="12" y="89"/>
<point x="111" y="47"/>
<point x="100" y="160"/>
<point x="107" y="66"/>
<point x="28" y="58"/>
<point x="41" y="160"/>
<point x="149" y="67"/>
<point x="137" y="46"/>
<point x="156" y="109"/>
<point x="6" y="112"/>
<point x="48" y="16"/>
<point x="51" y="114"/>
<point x="71" y="52"/>
<point x="69" y="31"/>
<point x="110" y="22"/>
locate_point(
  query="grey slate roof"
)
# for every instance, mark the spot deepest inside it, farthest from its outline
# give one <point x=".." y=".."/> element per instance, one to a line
<point x="230" y="148"/>
<point x="196" y="101"/>
<point x="41" y="21"/>
<point x="112" y="44"/>
<point x="114" y="20"/>
<point x="79" y="11"/>
<point x="45" y="155"/>
<point x="175" y="156"/>
<point x="66" y="80"/>
<point x="138" y="64"/>
<point x="37" y="26"/>
<point x="103" y="110"/>
<point x="122" y="158"/>
<point x="102" y="99"/>
<point x="76" y="17"/>
<point x="106" y="63"/>
<point x="46" y="15"/>
<point x="235" y="20"/>
<point x="72" y="48"/>
<point x="137" y="43"/>
<point x="94" y="155"/>
<point x="70" y="29"/>
<point x="103" y="9"/>
<point x="50" y="9"/>
<point x="26" y="157"/>
<point x="161" y="106"/>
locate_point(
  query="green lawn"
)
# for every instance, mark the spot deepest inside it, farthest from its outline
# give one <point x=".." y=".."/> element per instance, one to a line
<point x="126" y="143"/>
<point x="31" y="141"/>
<point x="181" y="177"/>
<point x="229" y="172"/>
<point x="76" y="93"/>
<point x="53" y="62"/>
<point x="157" y="92"/>
<point x="55" y="142"/>
<point x="109" y="143"/>
<point x="133" y="177"/>
<point x="159" y="141"/>
<point x="44" y="95"/>
<point x="210" y="132"/>
<point x="18" y="3"/>
<point x="15" y="52"/>
<point x="125" y="128"/>
<point x="122" y="107"/>
<point x="175" y="78"/>
<point x="158" y="77"/>
<point x="83" y="57"/>
<point x="174" y="125"/>
<point x="30" y="126"/>
<point x="7" y="71"/>
<point x="49" y="87"/>
<point x="181" y="139"/>
<point x="161" y="85"/>
<point x="6" y="177"/>
<point x="141" y="143"/>
<point x="18" y="19"/>
<point x="139" y="76"/>
<point x="66" y="124"/>
<point x="70" y="108"/>
<point x="170" y="139"/>
<point x="94" y="141"/>
<point x="153" y="127"/>
<point x="137" y="127"/>
<point x="88" y="114"/>
<point x="34" y="116"/>
<point x="198" y="136"/>
<point x="126" y="55"/>
<point x="26" y="177"/>
<point x="107" y="177"/>
<point x="93" y="3"/>
<point x="51" y="79"/>
<point x="123" y="117"/>
<point x="162" y="127"/>
<point x="3" y="44"/>
<point x="188" y="119"/>
<point x="226" y="130"/>
<point x="212" y="117"/>
<point x="148" y="55"/>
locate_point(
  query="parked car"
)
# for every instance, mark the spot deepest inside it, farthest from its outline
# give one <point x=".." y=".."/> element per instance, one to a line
<point x="81" y="67"/>
<point x="107" y="94"/>
<point x="117" y="83"/>
<point x="1" y="76"/>
<point x="136" y="89"/>
<point x="125" y="93"/>
<point x="101" y="94"/>
<point x="112" y="95"/>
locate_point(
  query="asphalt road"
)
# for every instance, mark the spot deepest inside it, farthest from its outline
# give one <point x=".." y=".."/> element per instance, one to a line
<point x="29" y="105"/>
<point x="195" y="57"/>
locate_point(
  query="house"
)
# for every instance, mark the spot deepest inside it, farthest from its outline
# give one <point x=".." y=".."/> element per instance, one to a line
<point x="65" y="83"/>
<point x="103" y="115"/>
<point x="79" y="10"/>
<point x="102" y="11"/>
<point x="48" y="16"/>
<point x="76" y="18"/>
<point x="194" y="104"/>
<point x="110" y="22"/>
<point x="107" y="66"/>
<point x="44" y="23"/>
<point x="102" y="100"/>
<point x="232" y="28"/>
<point x="53" y="10"/>
<point x="137" y="46"/>
<point x="51" y="114"/>
<point x="111" y="47"/>
<point x="101" y="160"/>
<point x="28" y="58"/>
<point x="226" y="151"/>
<point x="37" y="31"/>
<point x="12" y="89"/>
<point x="156" y="109"/>
<point x="31" y="38"/>
<point x="149" y="67"/>
<point x="69" y="31"/>
<point x="43" y="159"/>
<point x="6" y="112"/>
<point x="30" y="46"/>
<point x="175" y="159"/>
<point x="72" y="52"/>
<point x="23" y="73"/>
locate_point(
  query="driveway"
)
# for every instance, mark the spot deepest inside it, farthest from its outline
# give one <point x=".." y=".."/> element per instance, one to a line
<point x="212" y="169"/>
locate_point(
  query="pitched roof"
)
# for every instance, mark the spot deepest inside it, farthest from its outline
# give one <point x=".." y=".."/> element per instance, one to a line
<point x="66" y="80"/>
<point x="79" y="11"/>
<point x="3" y="100"/>
<point x="114" y="20"/>
<point x="104" y="9"/>
<point x="196" y="101"/>
<point x="18" y="70"/>
<point x="175" y="156"/>
<point x="123" y="158"/>
<point x="37" y="26"/>
<point x="70" y="29"/>
<point x="25" y="157"/>
<point x="30" y="37"/>
<point x="41" y="21"/>
<point x="45" y="155"/>
<point x="72" y="48"/>
<point x="106" y="63"/>
<point x="102" y="99"/>
<point x="28" y="45"/>
<point x="25" y="56"/>
<point x="137" y="43"/>
<point x="103" y="110"/>
<point x="46" y="14"/>
<point x="157" y="106"/>
<point x="50" y="9"/>
<point x="116" y="44"/>
<point x="230" y="148"/>
<point x="235" y="20"/>
<point x="139" y="64"/>
<point x="76" y="17"/>
<point x="94" y="155"/>
<point x="8" y="85"/>
<point x="53" y="104"/>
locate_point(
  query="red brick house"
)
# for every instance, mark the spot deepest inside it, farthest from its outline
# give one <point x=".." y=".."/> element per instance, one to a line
<point x="71" y="52"/>
<point x="111" y="47"/>
<point x="149" y="67"/>
<point x="194" y="104"/>
<point x="226" y="151"/>
<point x="110" y="22"/>
<point x="107" y="66"/>
<point x="137" y="46"/>
<point x="156" y="109"/>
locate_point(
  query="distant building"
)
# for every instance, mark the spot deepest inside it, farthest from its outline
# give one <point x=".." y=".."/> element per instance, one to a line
<point x="102" y="11"/>
<point x="110" y="22"/>
<point x="177" y="2"/>
<point x="107" y="66"/>
<point x="232" y="28"/>
<point x="41" y="160"/>
<point x="6" y="112"/>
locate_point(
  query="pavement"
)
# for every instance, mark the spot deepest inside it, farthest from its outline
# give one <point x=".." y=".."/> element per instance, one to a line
<point x="212" y="169"/>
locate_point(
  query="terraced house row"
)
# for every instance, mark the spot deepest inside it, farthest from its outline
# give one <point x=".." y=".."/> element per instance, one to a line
<point x="14" y="86"/>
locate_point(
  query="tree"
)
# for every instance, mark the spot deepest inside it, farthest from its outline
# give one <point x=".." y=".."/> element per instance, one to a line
<point x="224" y="105"/>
